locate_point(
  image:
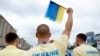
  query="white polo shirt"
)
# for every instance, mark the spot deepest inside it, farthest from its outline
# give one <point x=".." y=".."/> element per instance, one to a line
<point x="57" y="48"/>
<point x="12" y="51"/>
<point x="85" y="50"/>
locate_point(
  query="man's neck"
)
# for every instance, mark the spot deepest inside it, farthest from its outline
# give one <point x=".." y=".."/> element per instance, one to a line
<point x="12" y="44"/>
<point x="42" y="41"/>
<point x="82" y="43"/>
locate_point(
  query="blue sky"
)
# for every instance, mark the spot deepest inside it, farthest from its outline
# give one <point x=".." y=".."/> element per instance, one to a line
<point x="26" y="15"/>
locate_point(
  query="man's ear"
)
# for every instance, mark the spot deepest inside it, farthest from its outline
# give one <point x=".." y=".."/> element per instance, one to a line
<point x="49" y="35"/>
<point x="37" y="35"/>
<point x="17" y="41"/>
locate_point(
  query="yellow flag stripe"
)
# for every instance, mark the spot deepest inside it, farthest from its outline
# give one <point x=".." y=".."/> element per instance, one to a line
<point x="60" y="14"/>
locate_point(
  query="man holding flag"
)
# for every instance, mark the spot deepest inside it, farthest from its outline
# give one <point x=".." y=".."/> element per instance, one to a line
<point x="59" y="46"/>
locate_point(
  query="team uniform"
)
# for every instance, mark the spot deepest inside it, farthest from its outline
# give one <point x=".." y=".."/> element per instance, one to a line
<point x="85" y="50"/>
<point x="57" y="48"/>
<point x="12" y="51"/>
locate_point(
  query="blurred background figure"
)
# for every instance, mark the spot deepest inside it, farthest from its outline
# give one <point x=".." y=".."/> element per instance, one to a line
<point x="82" y="48"/>
<point x="11" y="49"/>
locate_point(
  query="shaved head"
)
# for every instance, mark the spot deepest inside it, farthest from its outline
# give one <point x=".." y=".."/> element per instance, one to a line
<point x="43" y="30"/>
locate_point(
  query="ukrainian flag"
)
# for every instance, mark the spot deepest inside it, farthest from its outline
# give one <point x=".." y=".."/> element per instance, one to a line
<point x="55" y="12"/>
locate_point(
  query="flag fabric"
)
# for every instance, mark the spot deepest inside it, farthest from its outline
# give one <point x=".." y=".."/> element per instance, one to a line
<point x="63" y="3"/>
<point x="55" y="12"/>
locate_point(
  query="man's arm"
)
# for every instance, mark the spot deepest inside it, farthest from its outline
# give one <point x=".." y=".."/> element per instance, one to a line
<point x="69" y="22"/>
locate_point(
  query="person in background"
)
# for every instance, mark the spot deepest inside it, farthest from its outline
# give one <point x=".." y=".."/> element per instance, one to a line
<point x="11" y="49"/>
<point x="43" y="34"/>
<point x="82" y="48"/>
<point x="57" y="47"/>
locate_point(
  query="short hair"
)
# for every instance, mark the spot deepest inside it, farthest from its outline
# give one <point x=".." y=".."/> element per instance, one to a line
<point x="43" y="29"/>
<point x="10" y="37"/>
<point x="82" y="36"/>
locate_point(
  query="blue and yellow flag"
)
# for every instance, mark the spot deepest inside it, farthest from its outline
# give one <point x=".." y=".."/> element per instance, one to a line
<point x="55" y="12"/>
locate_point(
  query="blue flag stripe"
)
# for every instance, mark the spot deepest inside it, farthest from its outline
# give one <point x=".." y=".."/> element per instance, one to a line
<point x="52" y="11"/>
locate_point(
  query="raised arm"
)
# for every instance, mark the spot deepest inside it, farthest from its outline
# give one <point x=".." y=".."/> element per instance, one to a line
<point x="69" y="22"/>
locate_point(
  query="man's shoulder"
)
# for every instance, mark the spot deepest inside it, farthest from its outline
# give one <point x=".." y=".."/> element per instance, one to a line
<point x="1" y="51"/>
<point x="75" y="49"/>
<point x="83" y="46"/>
<point x="90" y="47"/>
<point x="20" y="50"/>
<point x="64" y="37"/>
<point x="13" y="52"/>
<point x="78" y="48"/>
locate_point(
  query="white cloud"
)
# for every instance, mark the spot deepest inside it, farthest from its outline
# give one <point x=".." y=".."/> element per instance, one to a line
<point x="25" y="7"/>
